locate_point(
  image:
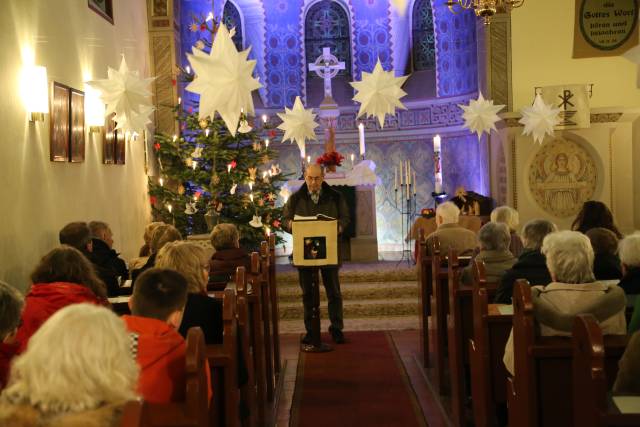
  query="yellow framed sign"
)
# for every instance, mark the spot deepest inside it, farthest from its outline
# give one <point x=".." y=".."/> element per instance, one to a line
<point x="315" y="243"/>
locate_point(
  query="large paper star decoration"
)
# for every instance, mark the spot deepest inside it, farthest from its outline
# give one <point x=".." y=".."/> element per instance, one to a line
<point x="224" y="80"/>
<point x="539" y="119"/>
<point x="298" y="124"/>
<point x="401" y="6"/>
<point x="480" y="116"/>
<point x="127" y="95"/>
<point x="379" y="93"/>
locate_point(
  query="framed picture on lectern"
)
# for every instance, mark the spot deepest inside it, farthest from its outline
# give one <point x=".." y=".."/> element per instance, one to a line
<point x="315" y="243"/>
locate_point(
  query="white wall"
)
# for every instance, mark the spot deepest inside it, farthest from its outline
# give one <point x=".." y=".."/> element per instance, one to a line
<point x="38" y="197"/>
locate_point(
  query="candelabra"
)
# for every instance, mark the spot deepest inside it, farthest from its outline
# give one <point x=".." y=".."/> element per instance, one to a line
<point x="407" y="211"/>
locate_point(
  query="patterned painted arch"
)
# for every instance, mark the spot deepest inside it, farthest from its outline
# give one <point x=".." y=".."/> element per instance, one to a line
<point x="232" y="19"/>
<point x="423" y="36"/>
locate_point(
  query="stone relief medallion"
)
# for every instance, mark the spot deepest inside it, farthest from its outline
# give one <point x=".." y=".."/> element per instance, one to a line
<point x="562" y="177"/>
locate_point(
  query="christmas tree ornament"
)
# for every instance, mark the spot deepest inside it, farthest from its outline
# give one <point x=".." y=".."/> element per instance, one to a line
<point x="298" y="124"/>
<point x="256" y="146"/>
<point x="256" y="221"/>
<point x="224" y="80"/>
<point x="190" y="208"/>
<point x="233" y="188"/>
<point x="539" y="119"/>
<point x="215" y="179"/>
<point x="197" y="153"/>
<point x="379" y="93"/>
<point x="265" y="177"/>
<point x="285" y="193"/>
<point x="266" y="159"/>
<point x="181" y="190"/>
<point x="127" y="95"/>
<point x="271" y="197"/>
<point x="480" y="116"/>
<point x="204" y="123"/>
<point x="252" y="173"/>
<point x="275" y="170"/>
<point x="244" y="127"/>
<point x="260" y="202"/>
<point x="194" y="27"/>
<point x="189" y="162"/>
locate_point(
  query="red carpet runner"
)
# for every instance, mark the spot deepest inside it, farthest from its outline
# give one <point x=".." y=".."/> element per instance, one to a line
<point x="361" y="383"/>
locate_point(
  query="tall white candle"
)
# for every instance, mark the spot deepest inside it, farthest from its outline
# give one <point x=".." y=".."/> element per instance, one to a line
<point x="303" y="151"/>
<point x="436" y="143"/>
<point x="361" y="134"/>
<point x="308" y="160"/>
<point x="438" y="188"/>
<point x="401" y="176"/>
<point x="414" y="182"/>
<point x="395" y="178"/>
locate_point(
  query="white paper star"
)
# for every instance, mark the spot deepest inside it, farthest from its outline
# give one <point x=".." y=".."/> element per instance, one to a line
<point x="539" y="119"/>
<point x="298" y="124"/>
<point x="480" y="115"/>
<point x="126" y="95"/>
<point x="224" y="80"/>
<point x="379" y="93"/>
<point x="401" y="6"/>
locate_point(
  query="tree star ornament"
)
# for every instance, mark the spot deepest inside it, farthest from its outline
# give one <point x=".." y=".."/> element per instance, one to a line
<point x="480" y="116"/>
<point x="298" y="124"/>
<point x="127" y="95"/>
<point x="539" y="119"/>
<point x="379" y="93"/>
<point x="224" y="80"/>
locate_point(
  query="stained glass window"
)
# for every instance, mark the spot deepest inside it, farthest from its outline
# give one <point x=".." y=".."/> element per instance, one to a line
<point x="327" y="25"/>
<point x="231" y="18"/>
<point x="424" y="50"/>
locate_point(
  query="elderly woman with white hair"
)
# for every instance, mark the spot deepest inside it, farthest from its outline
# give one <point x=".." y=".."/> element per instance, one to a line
<point x="77" y="371"/>
<point x="629" y="253"/>
<point x="509" y="216"/>
<point x="451" y="234"/>
<point x="573" y="290"/>
<point x="494" y="239"/>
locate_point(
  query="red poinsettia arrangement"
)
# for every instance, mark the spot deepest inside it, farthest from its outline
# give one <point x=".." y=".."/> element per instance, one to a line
<point x="332" y="158"/>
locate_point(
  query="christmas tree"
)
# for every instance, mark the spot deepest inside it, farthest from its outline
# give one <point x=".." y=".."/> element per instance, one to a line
<point x="209" y="175"/>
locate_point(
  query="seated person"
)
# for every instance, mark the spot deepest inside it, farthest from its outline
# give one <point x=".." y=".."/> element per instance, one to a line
<point x="450" y="233"/>
<point x="227" y="257"/>
<point x="531" y="264"/>
<point x="595" y="214"/>
<point x="629" y="252"/>
<point x="157" y="304"/>
<point x="191" y="260"/>
<point x="162" y="235"/>
<point x="104" y="255"/>
<point x="77" y="371"/>
<point x="628" y="378"/>
<point x="573" y="290"/>
<point x="11" y="304"/>
<point x="63" y="277"/>
<point x="606" y="265"/>
<point x="145" y="250"/>
<point x="78" y="235"/>
<point x="494" y="239"/>
<point x="510" y="217"/>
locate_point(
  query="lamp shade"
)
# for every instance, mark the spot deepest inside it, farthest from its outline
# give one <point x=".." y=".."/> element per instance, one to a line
<point x="35" y="89"/>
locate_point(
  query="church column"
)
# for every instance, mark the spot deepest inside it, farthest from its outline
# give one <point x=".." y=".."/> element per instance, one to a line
<point x="164" y="26"/>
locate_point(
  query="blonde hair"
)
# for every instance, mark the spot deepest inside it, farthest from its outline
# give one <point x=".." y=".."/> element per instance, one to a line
<point x="78" y="360"/>
<point x="188" y="259"/>
<point x="506" y="215"/>
<point x="163" y="234"/>
<point x="149" y="229"/>
<point x="224" y="236"/>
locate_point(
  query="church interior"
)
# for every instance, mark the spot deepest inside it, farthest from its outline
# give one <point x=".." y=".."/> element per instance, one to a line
<point x="179" y="176"/>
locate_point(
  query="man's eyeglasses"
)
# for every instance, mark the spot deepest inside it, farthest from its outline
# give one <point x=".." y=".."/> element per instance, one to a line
<point x="314" y="178"/>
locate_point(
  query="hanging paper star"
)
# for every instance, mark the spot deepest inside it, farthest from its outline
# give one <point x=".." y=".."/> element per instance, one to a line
<point x="401" y="6"/>
<point x="224" y="80"/>
<point x="127" y="95"/>
<point x="480" y="116"/>
<point x="539" y="119"/>
<point x="298" y="124"/>
<point x="379" y="93"/>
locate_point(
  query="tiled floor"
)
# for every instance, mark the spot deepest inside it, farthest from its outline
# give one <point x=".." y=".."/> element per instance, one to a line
<point x="407" y="343"/>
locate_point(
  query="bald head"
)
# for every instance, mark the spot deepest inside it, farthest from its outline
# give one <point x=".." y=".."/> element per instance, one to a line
<point x="314" y="176"/>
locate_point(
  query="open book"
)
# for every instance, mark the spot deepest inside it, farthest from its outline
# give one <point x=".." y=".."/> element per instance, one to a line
<point x="318" y="217"/>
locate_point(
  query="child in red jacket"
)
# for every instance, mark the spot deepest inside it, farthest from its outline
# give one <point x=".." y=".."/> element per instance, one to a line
<point x="157" y="304"/>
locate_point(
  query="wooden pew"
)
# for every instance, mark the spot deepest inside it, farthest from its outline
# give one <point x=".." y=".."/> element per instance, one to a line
<point x="255" y="300"/>
<point x="194" y="411"/>
<point x="275" y="312"/>
<point x="248" y="390"/>
<point x="424" y="282"/>
<point x="486" y="348"/>
<point x="540" y="392"/>
<point x="223" y="361"/>
<point x="266" y="317"/>
<point x="591" y="405"/>
<point x="439" y="308"/>
<point x="131" y="414"/>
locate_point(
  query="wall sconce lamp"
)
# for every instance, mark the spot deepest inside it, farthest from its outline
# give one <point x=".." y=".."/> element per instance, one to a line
<point x="94" y="110"/>
<point x="35" y="91"/>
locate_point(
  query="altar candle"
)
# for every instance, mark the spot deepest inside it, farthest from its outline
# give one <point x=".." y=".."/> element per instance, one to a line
<point x="303" y="151"/>
<point x="401" y="176"/>
<point x="395" y="178"/>
<point x="361" y="134"/>
<point x="414" y="182"/>
<point x="436" y="143"/>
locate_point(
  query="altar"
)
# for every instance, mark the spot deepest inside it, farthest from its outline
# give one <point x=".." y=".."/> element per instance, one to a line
<point x="363" y="246"/>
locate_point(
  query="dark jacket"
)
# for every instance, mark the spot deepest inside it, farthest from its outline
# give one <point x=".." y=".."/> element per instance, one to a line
<point x="607" y="267"/>
<point x="206" y="313"/>
<point x="151" y="262"/>
<point x="331" y="203"/>
<point x="108" y="266"/>
<point x="631" y="281"/>
<point x="224" y="262"/>
<point x="531" y="265"/>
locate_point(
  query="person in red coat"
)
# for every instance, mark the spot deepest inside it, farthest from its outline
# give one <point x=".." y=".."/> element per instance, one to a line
<point x="63" y="277"/>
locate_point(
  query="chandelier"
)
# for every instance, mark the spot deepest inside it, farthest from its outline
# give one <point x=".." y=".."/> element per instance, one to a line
<point x="485" y="9"/>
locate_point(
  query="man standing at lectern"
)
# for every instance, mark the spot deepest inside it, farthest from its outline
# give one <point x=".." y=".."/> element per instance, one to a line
<point x="313" y="198"/>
